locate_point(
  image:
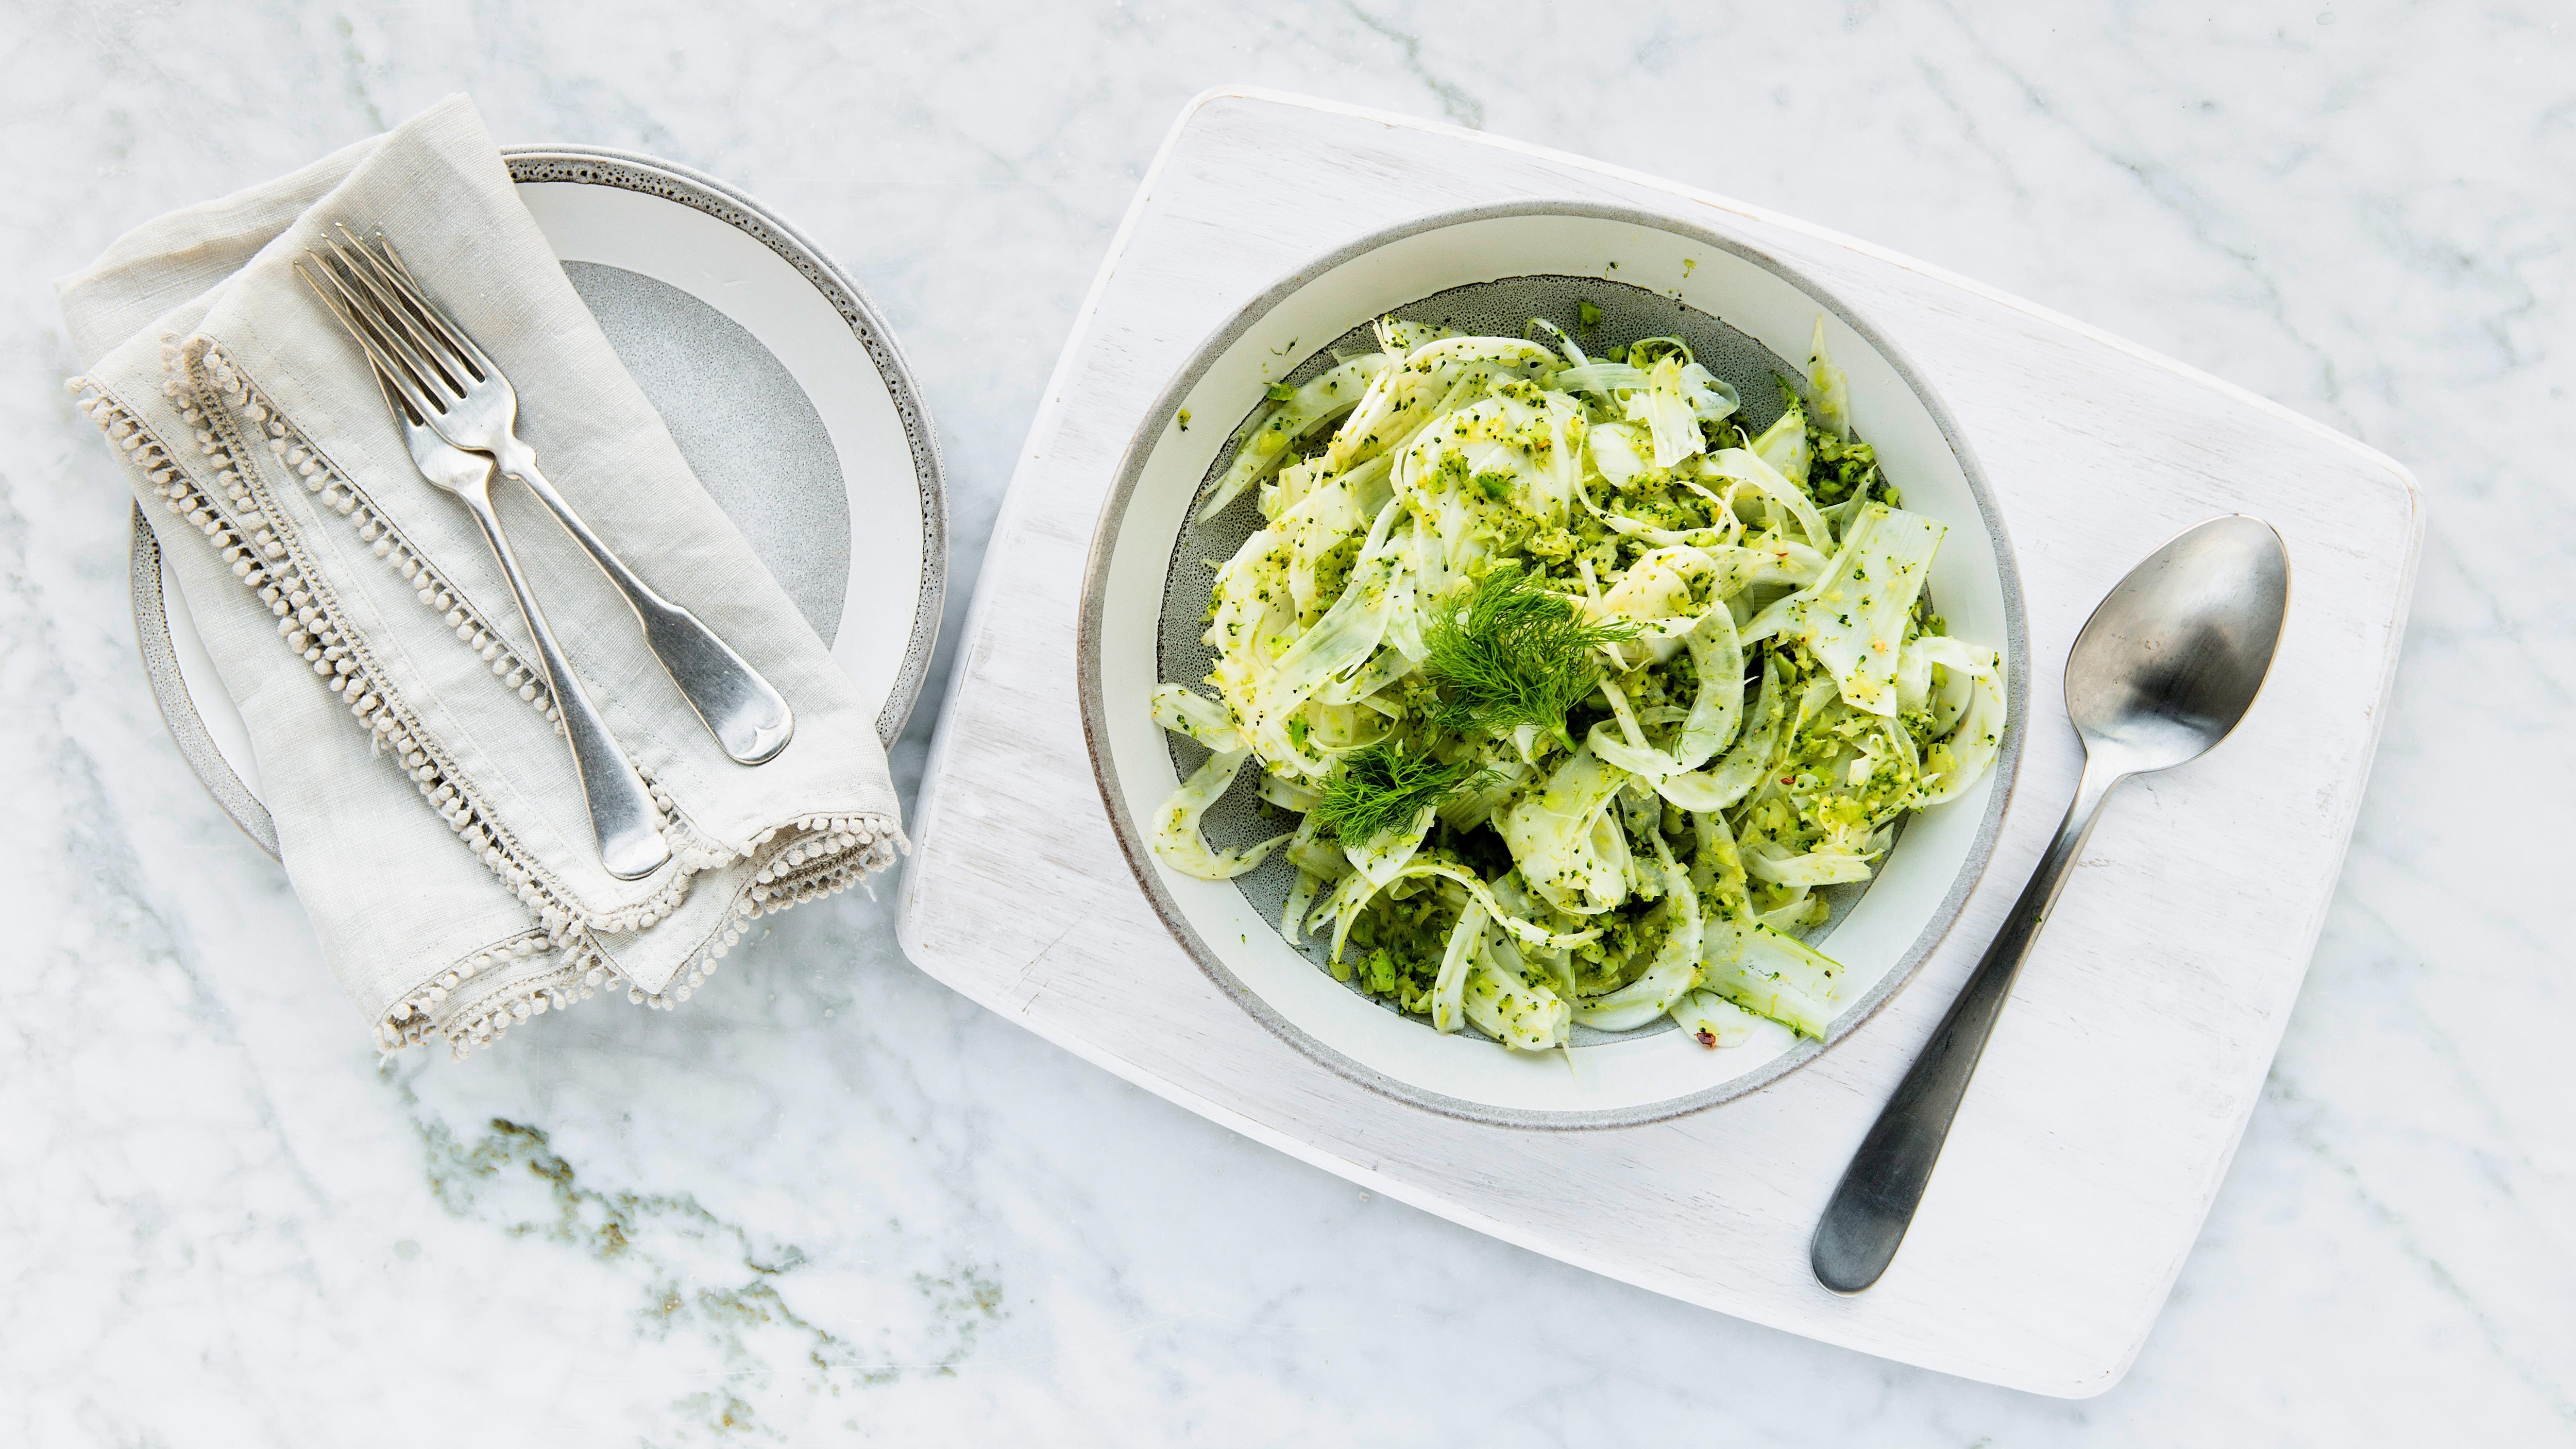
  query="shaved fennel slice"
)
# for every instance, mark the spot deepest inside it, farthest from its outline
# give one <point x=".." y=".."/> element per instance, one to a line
<point x="1854" y="617"/>
<point x="1552" y="834"/>
<point x="1665" y="406"/>
<point x="1676" y="966"/>
<point x="1356" y="890"/>
<point x="1784" y="561"/>
<point x="1828" y="387"/>
<point x="1520" y="1014"/>
<point x="1654" y="593"/>
<point x="1784" y="446"/>
<point x="1770" y="974"/>
<point x="1381" y="858"/>
<point x="1378" y="424"/>
<point x="1815" y="868"/>
<point x="1186" y="712"/>
<point x="1716" y="1021"/>
<point x="1573" y="352"/>
<point x="1973" y="742"/>
<point x="1288" y="794"/>
<point x="1793" y="913"/>
<point x="1602" y="379"/>
<point x="1743" y="765"/>
<point x="1342" y="640"/>
<point x="1316" y="856"/>
<point x="1717" y="872"/>
<point x="1714" y="711"/>
<point x="1301" y="898"/>
<point x="1527" y="932"/>
<point x="1396" y="337"/>
<point x="1384" y="668"/>
<point x="1914" y="680"/>
<point x="1465" y="940"/>
<point x="1398" y="649"/>
<point x="1264" y="445"/>
<point x="1317" y="523"/>
<point x="1746" y="466"/>
<point x="1614" y="452"/>
<point x="1176" y="825"/>
<point x="1712" y="397"/>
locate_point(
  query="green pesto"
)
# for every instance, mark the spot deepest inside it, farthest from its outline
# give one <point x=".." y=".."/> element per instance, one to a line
<point x="1518" y="631"/>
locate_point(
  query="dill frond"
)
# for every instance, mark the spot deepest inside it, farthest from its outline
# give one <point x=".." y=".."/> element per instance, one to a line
<point x="1516" y="654"/>
<point x="1384" y="787"/>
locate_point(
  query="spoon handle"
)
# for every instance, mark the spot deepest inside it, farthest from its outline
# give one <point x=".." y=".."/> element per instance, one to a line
<point x="1874" y="1203"/>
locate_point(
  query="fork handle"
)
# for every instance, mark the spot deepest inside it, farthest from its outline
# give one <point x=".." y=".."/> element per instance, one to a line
<point x="746" y="714"/>
<point x="622" y="816"/>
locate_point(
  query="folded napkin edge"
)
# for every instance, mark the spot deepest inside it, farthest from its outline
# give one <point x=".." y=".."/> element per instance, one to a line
<point x="481" y="996"/>
<point x="566" y="955"/>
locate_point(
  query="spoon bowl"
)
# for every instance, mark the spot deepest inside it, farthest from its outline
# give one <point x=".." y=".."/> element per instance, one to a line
<point x="2174" y="656"/>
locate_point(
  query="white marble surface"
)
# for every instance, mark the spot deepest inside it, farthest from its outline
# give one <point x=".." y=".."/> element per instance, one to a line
<point x="832" y="1201"/>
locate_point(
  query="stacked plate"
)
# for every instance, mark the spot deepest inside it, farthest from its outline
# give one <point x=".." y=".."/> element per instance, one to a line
<point x="783" y="388"/>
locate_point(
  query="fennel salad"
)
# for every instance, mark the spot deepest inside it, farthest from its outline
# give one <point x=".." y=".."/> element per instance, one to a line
<point x="1572" y="695"/>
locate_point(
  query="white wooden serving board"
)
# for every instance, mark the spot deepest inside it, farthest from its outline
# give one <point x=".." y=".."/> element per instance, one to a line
<point x="2117" y="1086"/>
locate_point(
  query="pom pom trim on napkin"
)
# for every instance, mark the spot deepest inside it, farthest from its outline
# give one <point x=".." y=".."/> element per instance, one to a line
<point x="561" y="958"/>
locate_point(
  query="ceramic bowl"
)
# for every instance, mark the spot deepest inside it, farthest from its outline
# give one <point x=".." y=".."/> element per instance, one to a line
<point x="1748" y="317"/>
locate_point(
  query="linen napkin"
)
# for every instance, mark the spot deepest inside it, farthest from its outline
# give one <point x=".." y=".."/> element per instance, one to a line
<point x="426" y="805"/>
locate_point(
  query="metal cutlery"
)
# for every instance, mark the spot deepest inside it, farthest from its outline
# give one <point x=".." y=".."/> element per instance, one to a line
<point x="453" y="386"/>
<point x="622" y="817"/>
<point x="2167" y="665"/>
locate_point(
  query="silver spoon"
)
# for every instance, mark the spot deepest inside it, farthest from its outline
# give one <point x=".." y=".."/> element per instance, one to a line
<point x="2164" y="669"/>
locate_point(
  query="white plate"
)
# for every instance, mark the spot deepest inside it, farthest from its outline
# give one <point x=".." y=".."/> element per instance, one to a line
<point x="783" y="388"/>
<point x="1606" y="1081"/>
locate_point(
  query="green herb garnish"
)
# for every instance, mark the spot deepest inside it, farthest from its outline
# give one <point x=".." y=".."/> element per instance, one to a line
<point x="1516" y="654"/>
<point x="1587" y="316"/>
<point x="1384" y="787"/>
<point x="1279" y="392"/>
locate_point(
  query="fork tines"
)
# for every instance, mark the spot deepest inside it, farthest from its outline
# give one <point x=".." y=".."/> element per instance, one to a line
<point x="410" y="338"/>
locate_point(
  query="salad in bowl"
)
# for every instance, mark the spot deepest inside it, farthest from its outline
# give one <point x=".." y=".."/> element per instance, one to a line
<point x="1573" y="695"/>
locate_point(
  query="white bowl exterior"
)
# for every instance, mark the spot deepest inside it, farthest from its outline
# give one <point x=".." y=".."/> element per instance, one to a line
<point x="1896" y="920"/>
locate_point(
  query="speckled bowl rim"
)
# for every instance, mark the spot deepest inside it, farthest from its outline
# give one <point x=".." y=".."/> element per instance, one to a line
<point x="628" y="171"/>
<point x="1131" y="839"/>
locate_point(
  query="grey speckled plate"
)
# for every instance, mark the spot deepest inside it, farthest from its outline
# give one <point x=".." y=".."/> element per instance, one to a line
<point x="783" y="388"/>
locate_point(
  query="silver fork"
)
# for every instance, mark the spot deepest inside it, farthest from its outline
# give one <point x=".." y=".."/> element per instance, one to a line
<point x="622" y="817"/>
<point x="453" y="385"/>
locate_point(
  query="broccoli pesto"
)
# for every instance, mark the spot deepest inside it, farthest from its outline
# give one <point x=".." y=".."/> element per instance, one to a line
<point x="1576" y="690"/>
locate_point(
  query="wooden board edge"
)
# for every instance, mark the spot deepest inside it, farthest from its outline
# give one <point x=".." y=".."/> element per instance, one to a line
<point x="2398" y="473"/>
<point x="1042" y="429"/>
<point x="2084" y="1384"/>
<point x="2401" y="608"/>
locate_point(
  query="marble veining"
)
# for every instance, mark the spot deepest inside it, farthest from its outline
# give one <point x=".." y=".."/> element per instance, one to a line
<point x="830" y="1200"/>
